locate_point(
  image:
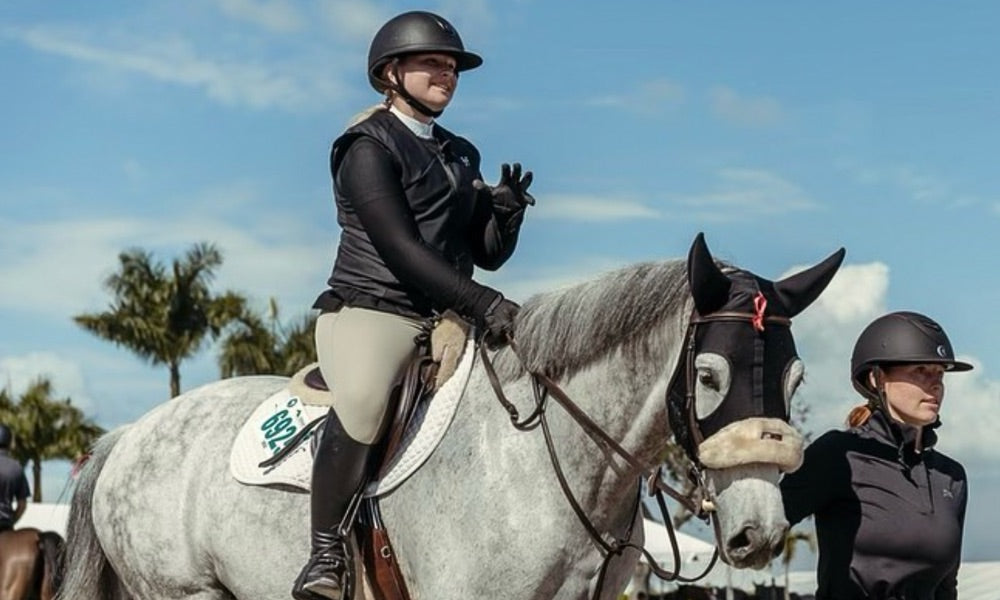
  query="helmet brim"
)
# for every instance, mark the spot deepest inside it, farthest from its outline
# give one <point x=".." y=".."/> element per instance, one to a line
<point x="464" y="61"/>
<point x="949" y="364"/>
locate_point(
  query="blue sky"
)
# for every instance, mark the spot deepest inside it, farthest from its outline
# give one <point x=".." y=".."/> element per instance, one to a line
<point x="781" y="130"/>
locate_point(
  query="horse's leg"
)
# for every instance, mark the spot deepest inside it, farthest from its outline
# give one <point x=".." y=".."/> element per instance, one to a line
<point x="17" y="577"/>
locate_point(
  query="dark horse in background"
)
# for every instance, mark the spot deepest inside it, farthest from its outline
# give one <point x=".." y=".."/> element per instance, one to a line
<point x="30" y="564"/>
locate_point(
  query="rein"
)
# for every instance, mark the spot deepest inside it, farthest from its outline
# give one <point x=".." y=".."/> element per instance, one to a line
<point x="698" y="503"/>
<point x="542" y="388"/>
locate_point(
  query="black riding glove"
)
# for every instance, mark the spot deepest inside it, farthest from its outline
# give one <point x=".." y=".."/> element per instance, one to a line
<point x="510" y="196"/>
<point x="497" y="321"/>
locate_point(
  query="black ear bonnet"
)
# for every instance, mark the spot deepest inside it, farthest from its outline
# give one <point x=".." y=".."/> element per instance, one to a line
<point x="746" y="320"/>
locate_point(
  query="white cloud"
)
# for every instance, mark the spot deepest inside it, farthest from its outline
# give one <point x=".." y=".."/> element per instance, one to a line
<point x="353" y="19"/>
<point x="744" y="110"/>
<point x="134" y="170"/>
<point x="358" y="20"/>
<point x="520" y="283"/>
<point x="969" y="415"/>
<point x="571" y="207"/>
<point x="257" y="84"/>
<point x="916" y="183"/>
<point x="745" y="194"/>
<point x="472" y="18"/>
<point x="855" y="295"/>
<point x="271" y="255"/>
<point x="920" y="185"/>
<point x="653" y="97"/>
<point x="66" y="375"/>
<point x="274" y="15"/>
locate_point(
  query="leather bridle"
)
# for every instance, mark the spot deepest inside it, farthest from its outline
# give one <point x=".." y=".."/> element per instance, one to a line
<point x="757" y="320"/>
<point x="699" y="502"/>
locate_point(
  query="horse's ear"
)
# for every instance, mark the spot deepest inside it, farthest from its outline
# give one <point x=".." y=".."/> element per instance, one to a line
<point x="798" y="291"/>
<point x="709" y="285"/>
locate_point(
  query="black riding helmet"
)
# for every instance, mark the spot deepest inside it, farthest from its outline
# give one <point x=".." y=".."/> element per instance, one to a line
<point x="6" y="437"/>
<point x="415" y="32"/>
<point x="900" y="338"/>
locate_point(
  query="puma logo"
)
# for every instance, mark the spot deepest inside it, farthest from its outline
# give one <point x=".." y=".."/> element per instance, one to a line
<point x="947" y="493"/>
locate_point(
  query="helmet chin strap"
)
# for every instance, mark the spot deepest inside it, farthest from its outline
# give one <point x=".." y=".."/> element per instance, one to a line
<point x="416" y="104"/>
<point x="879" y="401"/>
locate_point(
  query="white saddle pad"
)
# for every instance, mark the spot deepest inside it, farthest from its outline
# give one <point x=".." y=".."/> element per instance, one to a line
<point x="278" y="418"/>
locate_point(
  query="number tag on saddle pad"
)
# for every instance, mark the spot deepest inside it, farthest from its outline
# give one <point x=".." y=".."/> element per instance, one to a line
<point x="279" y="417"/>
<point x="272" y="425"/>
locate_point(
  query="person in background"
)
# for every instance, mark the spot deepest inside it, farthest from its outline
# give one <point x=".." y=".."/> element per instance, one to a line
<point x="13" y="483"/>
<point x="415" y="218"/>
<point x="889" y="508"/>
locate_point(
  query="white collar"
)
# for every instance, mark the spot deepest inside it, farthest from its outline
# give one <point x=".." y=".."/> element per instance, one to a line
<point x="419" y="128"/>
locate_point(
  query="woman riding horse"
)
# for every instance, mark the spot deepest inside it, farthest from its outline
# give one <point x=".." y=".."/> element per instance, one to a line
<point x="416" y="218"/>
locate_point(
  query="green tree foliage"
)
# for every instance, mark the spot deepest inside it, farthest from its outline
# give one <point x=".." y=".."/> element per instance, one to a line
<point x="164" y="315"/>
<point x="45" y="428"/>
<point x="257" y="344"/>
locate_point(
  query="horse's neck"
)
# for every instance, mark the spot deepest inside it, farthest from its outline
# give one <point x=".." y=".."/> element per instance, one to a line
<point x="625" y="395"/>
<point x="628" y="402"/>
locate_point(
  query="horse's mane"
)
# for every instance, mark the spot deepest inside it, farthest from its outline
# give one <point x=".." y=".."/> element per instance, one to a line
<point x="562" y="331"/>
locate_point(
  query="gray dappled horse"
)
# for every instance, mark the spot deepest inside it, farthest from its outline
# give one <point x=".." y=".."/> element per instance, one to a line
<point x="156" y="514"/>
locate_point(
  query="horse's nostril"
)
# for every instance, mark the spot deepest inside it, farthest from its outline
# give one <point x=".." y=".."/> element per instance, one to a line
<point x="747" y="538"/>
<point x="738" y="541"/>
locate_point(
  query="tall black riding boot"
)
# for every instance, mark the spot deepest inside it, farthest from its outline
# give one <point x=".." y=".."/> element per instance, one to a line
<point x="338" y="476"/>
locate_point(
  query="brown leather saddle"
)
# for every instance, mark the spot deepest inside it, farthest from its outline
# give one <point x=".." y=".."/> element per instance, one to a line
<point x="416" y="384"/>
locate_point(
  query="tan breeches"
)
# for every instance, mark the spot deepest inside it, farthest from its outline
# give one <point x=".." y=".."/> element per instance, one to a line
<point x="361" y="352"/>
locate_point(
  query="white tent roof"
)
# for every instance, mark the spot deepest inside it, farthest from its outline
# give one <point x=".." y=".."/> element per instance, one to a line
<point x="46" y="517"/>
<point x="979" y="580"/>
<point x="692" y="549"/>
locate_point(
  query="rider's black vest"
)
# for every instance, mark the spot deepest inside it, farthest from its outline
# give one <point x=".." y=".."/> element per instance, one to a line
<point x="437" y="178"/>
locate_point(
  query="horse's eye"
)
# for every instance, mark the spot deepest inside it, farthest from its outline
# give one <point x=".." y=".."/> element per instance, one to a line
<point x="712" y="375"/>
<point x="707" y="379"/>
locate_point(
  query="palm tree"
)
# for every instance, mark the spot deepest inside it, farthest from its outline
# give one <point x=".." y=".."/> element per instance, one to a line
<point x="256" y="344"/>
<point x="45" y="428"/>
<point x="792" y="539"/>
<point x="164" y="316"/>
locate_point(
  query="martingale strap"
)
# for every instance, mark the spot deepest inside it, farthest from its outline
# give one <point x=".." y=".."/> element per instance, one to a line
<point x="543" y="387"/>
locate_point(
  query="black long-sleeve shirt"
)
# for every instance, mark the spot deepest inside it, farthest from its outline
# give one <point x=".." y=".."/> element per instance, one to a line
<point x="13" y="486"/>
<point x="889" y="519"/>
<point x="413" y="226"/>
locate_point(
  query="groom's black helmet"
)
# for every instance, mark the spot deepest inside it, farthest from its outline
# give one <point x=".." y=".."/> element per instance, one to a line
<point x="901" y="338"/>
